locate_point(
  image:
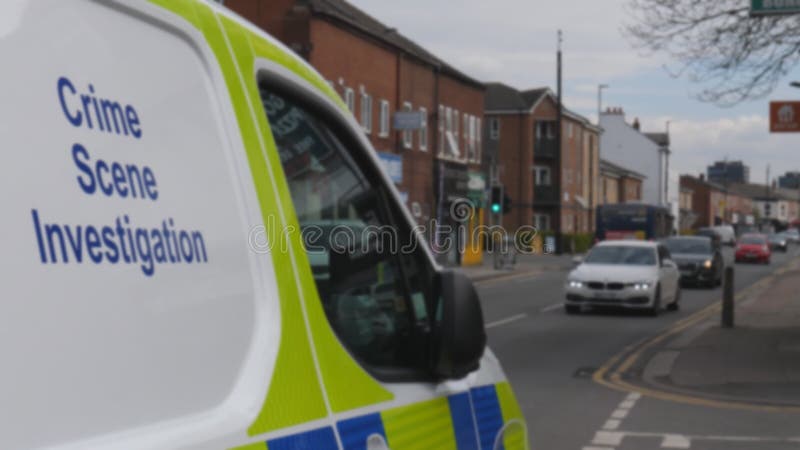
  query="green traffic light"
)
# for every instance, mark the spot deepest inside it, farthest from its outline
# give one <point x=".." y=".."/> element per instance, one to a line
<point x="495" y="207"/>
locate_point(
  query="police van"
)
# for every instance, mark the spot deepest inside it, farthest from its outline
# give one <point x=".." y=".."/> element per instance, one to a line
<point x="163" y="164"/>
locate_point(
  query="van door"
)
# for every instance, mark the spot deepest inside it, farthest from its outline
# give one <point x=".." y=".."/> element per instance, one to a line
<point x="374" y="282"/>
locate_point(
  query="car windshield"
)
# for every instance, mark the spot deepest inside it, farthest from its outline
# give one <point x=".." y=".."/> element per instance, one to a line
<point x="623" y="255"/>
<point x="751" y="240"/>
<point x="688" y="246"/>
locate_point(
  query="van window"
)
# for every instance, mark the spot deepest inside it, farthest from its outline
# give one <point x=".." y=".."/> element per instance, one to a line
<point x="367" y="276"/>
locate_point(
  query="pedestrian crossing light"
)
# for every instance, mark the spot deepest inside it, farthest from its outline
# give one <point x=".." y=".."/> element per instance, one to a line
<point x="497" y="199"/>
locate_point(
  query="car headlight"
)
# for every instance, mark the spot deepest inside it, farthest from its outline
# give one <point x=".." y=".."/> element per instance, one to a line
<point x="575" y="284"/>
<point x="708" y="264"/>
<point x="641" y="285"/>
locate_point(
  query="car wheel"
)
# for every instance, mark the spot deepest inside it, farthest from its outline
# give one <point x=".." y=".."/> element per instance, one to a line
<point x="675" y="305"/>
<point x="656" y="308"/>
<point x="572" y="309"/>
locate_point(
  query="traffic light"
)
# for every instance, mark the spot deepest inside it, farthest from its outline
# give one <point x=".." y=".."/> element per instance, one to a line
<point x="497" y="199"/>
<point x="506" y="204"/>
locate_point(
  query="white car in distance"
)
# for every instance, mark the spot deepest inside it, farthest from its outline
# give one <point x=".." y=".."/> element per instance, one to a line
<point x="626" y="273"/>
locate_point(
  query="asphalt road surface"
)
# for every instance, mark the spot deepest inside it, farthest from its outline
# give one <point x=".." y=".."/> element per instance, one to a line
<point x="550" y="358"/>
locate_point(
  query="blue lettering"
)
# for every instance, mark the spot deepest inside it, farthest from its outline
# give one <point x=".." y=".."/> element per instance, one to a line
<point x="133" y="121"/>
<point x="87" y="186"/>
<point x="64" y="83"/>
<point x="112" y="251"/>
<point x="93" y="244"/>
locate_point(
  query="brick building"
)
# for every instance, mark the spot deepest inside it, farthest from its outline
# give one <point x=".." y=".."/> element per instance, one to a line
<point x="618" y="184"/>
<point x="378" y="72"/>
<point x="521" y="141"/>
<point x="715" y="205"/>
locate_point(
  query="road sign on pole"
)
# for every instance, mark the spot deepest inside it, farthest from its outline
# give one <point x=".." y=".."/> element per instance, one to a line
<point x="774" y="7"/>
<point x="784" y="117"/>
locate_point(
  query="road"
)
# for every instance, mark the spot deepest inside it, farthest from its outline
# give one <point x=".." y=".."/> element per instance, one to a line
<point x="550" y="358"/>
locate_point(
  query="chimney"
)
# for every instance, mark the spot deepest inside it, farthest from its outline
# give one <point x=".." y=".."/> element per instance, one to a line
<point x="636" y="125"/>
<point x="702" y="177"/>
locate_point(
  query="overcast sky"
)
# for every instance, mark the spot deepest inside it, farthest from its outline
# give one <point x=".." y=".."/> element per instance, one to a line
<point x="514" y="42"/>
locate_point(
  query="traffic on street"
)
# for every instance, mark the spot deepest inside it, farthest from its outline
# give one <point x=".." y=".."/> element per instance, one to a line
<point x="415" y="225"/>
<point x="566" y="369"/>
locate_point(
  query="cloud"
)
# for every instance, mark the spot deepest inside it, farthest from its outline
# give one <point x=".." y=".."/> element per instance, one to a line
<point x="698" y="143"/>
<point x="514" y="41"/>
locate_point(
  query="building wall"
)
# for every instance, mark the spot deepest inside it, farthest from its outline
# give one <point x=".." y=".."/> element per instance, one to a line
<point x="621" y="144"/>
<point x="610" y="189"/>
<point x="701" y="200"/>
<point x="515" y="162"/>
<point x="381" y="71"/>
<point x="632" y="188"/>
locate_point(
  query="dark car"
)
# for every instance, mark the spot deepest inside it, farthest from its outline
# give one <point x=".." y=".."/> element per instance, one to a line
<point x="711" y="234"/>
<point x="778" y="241"/>
<point x="699" y="259"/>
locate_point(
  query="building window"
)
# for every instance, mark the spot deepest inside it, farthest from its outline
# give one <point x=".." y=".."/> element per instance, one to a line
<point x="569" y="130"/>
<point x="408" y="135"/>
<point x="478" y="134"/>
<point x="541" y="222"/>
<point x="465" y="134"/>
<point x="472" y="156"/>
<point x="545" y="129"/>
<point x="350" y="99"/>
<point x="541" y="175"/>
<point x="456" y="123"/>
<point x="366" y="112"/>
<point x="384" y="119"/>
<point x="494" y="128"/>
<point x="423" y="131"/>
<point x="441" y="119"/>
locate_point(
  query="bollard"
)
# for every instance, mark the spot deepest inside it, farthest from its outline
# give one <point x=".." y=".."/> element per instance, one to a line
<point x="727" y="299"/>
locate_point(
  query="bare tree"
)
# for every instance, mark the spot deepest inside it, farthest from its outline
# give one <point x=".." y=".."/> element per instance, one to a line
<point x="717" y="44"/>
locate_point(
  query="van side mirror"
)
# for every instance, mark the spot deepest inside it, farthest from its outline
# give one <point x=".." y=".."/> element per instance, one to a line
<point x="460" y="334"/>
<point x="577" y="261"/>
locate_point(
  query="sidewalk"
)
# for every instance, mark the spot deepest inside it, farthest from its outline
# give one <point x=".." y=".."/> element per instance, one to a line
<point x="757" y="362"/>
<point x="531" y="264"/>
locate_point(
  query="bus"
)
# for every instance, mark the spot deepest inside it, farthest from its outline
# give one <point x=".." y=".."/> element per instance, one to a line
<point x="632" y="221"/>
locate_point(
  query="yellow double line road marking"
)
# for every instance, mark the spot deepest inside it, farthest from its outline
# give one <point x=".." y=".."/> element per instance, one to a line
<point x="610" y="373"/>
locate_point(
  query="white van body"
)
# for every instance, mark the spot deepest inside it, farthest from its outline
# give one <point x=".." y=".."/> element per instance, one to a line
<point x="154" y="295"/>
<point x="727" y="234"/>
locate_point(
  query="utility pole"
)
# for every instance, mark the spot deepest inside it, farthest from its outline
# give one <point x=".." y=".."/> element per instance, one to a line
<point x="725" y="174"/>
<point x="559" y="132"/>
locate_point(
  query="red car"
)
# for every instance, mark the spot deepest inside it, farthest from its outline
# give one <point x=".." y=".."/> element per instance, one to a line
<point x="753" y="248"/>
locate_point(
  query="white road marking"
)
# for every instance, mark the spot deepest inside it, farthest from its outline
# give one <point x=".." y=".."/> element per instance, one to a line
<point x="627" y="404"/>
<point x="683" y="441"/>
<point x="619" y="414"/>
<point x="676" y="441"/>
<point x="634" y="396"/>
<point x="609" y="435"/>
<point x="597" y="448"/>
<point x="551" y="307"/>
<point x="612" y="438"/>
<point x="513" y="318"/>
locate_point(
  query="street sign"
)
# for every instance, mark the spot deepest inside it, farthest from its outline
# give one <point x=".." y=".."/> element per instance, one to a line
<point x="773" y="7"/>
<point x="393" y="165"/>
<point x="784" y="117"/>
<point x="408" y="120"/>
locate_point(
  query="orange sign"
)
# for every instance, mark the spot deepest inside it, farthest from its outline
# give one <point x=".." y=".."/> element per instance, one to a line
<point x="784" y="117"/>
